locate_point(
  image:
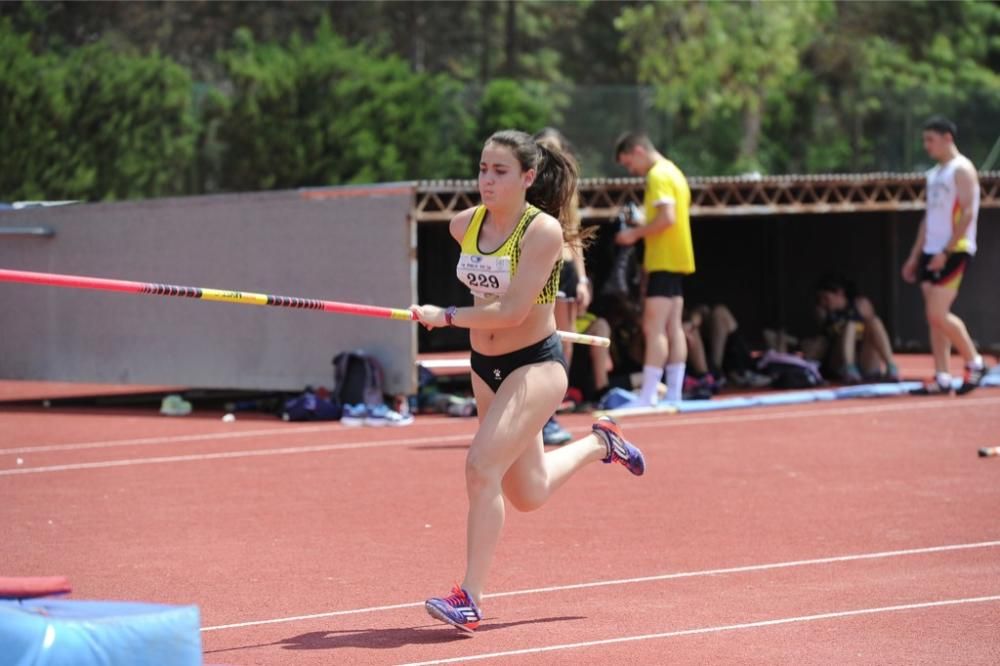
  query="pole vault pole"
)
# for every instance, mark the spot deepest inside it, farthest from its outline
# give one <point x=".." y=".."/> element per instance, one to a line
<point x="239" y="297"/>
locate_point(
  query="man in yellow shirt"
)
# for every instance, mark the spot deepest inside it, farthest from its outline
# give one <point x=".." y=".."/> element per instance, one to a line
<point x="669" y="257"/>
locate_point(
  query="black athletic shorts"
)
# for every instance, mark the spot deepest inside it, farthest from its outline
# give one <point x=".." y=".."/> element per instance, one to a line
<point x="950" y="275"/>
<point x="569" y="278"/>
<point x="494" y="369"/>
<point x="665" y="283"/>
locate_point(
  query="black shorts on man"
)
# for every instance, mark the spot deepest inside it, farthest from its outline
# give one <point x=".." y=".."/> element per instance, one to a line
<point x="949" y="276"/>
<point x="665" y="284"/>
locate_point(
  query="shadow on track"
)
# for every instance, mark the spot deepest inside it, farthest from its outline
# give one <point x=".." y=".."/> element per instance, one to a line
<point x="387" y="639"/>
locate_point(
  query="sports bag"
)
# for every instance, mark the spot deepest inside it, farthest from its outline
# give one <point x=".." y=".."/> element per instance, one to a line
<point x="357" y="379"/>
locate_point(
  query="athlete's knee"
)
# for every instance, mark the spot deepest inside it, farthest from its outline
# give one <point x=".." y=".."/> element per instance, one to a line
<point x="480" y="475"/>
<point x="652" y="326"/>
<point x="937" y="317"/>
<point x="723" y="317"/>
<point x="525" y="500"/>
<point x="525" y="490"/>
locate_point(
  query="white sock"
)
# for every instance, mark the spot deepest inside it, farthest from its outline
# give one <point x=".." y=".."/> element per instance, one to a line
<point x="943" y="378"/>
<point x="651" y="375"/>
<point x="977" y="363"/>
<point x="675" y="382"/>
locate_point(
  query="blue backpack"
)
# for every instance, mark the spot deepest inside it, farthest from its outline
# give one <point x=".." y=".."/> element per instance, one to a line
<point x="357" y="379"/>
<point x="310" y="407"/>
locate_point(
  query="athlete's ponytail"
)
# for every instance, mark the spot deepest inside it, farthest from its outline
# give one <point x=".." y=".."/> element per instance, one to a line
<point x="555" y="182"/>
<point x="556" y="175"/>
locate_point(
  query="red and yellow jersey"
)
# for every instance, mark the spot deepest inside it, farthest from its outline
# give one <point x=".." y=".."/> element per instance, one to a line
<point x="944" y="209"/>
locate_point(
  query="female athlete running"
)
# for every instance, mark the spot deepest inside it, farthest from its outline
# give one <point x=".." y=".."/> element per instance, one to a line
<point x="511" y="257"/>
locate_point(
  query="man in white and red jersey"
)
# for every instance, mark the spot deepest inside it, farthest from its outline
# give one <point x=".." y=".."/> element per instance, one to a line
<point x="942" y="252"/>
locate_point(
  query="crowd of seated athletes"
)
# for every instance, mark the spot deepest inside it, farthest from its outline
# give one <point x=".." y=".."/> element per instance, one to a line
<point x="849" y="345"/>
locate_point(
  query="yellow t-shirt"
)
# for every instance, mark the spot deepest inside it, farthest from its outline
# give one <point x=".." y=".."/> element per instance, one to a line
<point x="671" y="249"/>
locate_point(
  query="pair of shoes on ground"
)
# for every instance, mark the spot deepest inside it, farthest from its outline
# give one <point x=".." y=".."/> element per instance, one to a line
<point x="891" y="375"/>
<point x="459" y="609"/>
<point x="175" y="405"/>
<point x="554" y="434"/>
<point x="853" y="375"/>
<point x="377" y="416"/>
<point x="703" y="387"/>
<point x="462" y="407"/>
<point x="750" y="379"/>
<point x="973" y="378"/>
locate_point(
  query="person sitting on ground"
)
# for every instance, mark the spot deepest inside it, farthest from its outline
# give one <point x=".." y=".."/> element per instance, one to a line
<point x="780" y="340"/>
<point x="591" y="373"/>
<point x="628" y="342"/>
<point x="615" y="316"/>
<point x="854" y="345"/>
<point x="728" y="355"/>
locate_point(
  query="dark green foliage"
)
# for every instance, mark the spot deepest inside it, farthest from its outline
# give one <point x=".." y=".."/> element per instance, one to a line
<point x="817" y="85"/>
<point x="95" y="124"/>
<point x="510" y="104"/>
<point x="322" y="112"/>
<point x="108" y="100"/>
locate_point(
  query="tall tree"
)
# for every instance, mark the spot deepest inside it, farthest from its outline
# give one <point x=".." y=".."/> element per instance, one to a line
<point x="878" y="69"/>
<point x="720" y="59"/>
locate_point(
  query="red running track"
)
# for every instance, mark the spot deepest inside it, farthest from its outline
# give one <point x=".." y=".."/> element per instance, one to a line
<point x="854" y="532"/>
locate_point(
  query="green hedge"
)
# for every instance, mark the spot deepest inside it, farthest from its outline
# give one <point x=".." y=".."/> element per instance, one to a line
<point x="98" y="123"/>
<point x="523" y="105"/>
<point x="324" y="112"/>
<point x="93" y="124"/>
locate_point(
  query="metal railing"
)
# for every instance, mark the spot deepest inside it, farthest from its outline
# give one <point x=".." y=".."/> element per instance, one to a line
<point x="603" y="198"/>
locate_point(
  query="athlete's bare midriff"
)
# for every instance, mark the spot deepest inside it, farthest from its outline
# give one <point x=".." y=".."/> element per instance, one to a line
<point x="538" y="325"/>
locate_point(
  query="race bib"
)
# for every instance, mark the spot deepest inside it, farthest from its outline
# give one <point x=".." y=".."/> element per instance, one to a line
<point x="484" y="276"/>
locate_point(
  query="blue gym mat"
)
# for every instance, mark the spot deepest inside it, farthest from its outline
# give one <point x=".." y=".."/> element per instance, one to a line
<point x="777" y="398"/>
<point x="56" y="632"/>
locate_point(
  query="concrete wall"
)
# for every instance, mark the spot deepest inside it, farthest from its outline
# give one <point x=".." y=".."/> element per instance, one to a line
<point x="345" y="244"/>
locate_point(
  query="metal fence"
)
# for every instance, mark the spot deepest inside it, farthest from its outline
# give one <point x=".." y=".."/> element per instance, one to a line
<point x="884" y="139"/>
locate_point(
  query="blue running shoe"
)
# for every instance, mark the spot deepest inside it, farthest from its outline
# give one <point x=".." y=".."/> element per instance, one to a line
<point x="381" y="415"/>
<point x="554" y="434"/>
<point x="619" y="449"/>
<point x="458" y="610"/>
<point x="354" y="415"/>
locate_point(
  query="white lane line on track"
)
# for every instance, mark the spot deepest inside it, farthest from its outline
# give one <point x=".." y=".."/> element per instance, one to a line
<point x="671" y="421"/>
<point x="644" y="579"/>
<point x="181" y="439"/>
<point x="224" y="455"/>
<point x="709" y="630"/>
<point x="735" y="416"/>
<point x="170" y="439"/>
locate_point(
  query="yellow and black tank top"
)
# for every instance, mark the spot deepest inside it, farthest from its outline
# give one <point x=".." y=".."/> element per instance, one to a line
<point x="489" y="274"/>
